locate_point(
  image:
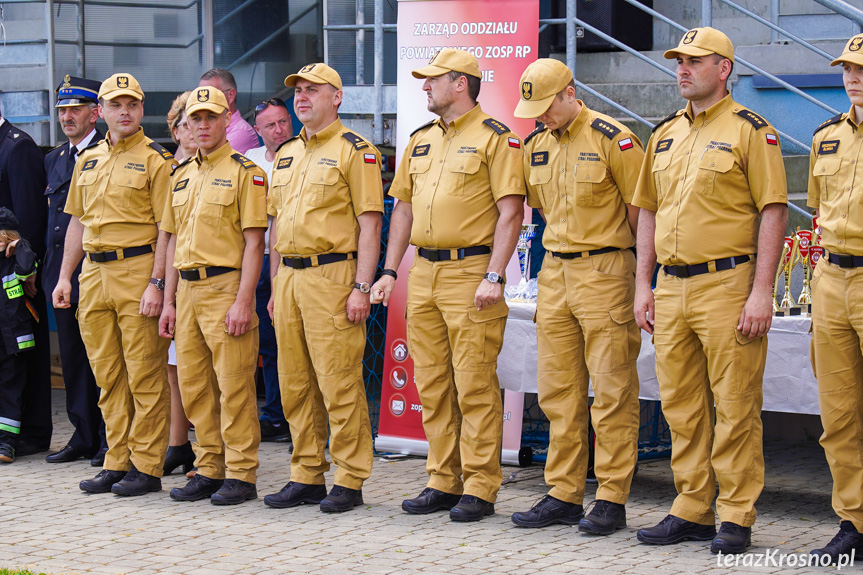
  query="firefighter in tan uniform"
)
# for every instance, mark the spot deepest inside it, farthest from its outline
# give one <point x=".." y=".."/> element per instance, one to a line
<point x="581" y="169"/>
<point x="116" y="199"/>
<point x="712" y="195"/>
<point x="460" y="187"/>
<point x="327" y="201"/>
<point x="836" y="192"/>
<point x="213" y="231"/>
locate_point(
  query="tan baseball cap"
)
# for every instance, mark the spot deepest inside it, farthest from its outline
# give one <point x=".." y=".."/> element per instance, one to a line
<point x="703" y="42"/>
<point x="853" y="53"/>
<point x="120" y="85"/>
<point x="317" y="73"/>
<point x="450" y="60"/>
<point x="206" y="98"/>
<point x="541" y="81"/>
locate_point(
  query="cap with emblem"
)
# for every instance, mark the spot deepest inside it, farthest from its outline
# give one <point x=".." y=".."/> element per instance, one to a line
<point x="8" y="221"/>
<point x="703" y="42"/>
<point x="74" y="91"/>
<point x="121" y="85"/>
<point x="316" y="73"/>
<point x="539" y="84"/>
<point x="206" y="98"/>
<point x="450" y="60"/>
<point x="853" y="52"/>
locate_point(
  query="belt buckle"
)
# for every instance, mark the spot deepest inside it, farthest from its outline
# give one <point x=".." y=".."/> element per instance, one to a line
<point x="297" y="263"/>
<point x="845" y="261"/>
<point x="97" y="257"/>
<point x="193" y="275"/>
<point x="433" y="255"/>
<point x="681" y="271"/>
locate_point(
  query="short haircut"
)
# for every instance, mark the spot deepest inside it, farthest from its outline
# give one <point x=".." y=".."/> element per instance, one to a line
<point x="718" y="60"/>
<point x="473" y="83"/>
<point x="224" y="75"/>
<point x="278" y="102"/>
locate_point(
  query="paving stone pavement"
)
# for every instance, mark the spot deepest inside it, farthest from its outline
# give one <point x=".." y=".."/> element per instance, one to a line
<point x="48" y="525"/>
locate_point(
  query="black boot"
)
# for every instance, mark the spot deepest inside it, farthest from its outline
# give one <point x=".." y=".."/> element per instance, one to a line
<point x="179" y="455"/>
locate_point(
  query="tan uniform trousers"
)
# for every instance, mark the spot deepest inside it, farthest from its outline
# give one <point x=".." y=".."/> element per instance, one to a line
<point x="702" y="360"/>
<point x="455" y="349"/>
<point x="837" y="331"/>
<point x="217" y="378"/>
<point x="586" y="331"/>
<point x="321" y="372"/>
<point x="128" y="359"/>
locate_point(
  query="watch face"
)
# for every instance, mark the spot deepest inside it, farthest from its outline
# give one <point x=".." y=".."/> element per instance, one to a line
<point x="363" y="287"/>
<point x="492" y="277"/>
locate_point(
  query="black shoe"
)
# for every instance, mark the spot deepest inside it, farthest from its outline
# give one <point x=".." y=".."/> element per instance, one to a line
<point x="341" y="499"/>
<point x="233" y="492"/>
<point x="275" y="431"/>
<point x="102" y="482"/>
<point x="846" y="542"/>
<point x="178" y="455"/>
<point x="7" y="453"/>
<point x="136" y="483"/>
<point x="66" y="455"/>
<point x="198" y="487"/>
<point x="429" y="501"/>
<point x="26" y="447"/>
<point x="295" y="493"/>
<point x="547" y="511"/>
<point x="674" y="530"/>
<point x="604" y="519"/>
<point x="732" y="539"/>
<point x="98" y="460"/>
<point x="471" y="508"/>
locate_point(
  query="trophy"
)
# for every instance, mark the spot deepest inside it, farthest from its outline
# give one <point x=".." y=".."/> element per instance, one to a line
<point x="786" y="249"/>
<point x="791" y="254"/>
<point x="521" y="292"/>
<point x="805" y="251"/>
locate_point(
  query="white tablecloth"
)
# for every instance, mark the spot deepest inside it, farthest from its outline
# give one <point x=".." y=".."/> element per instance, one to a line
<point x="789" y="383"/>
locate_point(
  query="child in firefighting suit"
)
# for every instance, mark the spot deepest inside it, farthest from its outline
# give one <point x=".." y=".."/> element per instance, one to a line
<point x="17" y="263"/>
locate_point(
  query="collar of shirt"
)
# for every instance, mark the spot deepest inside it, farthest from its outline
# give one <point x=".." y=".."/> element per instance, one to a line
<point x="126" y="143"/>
<point x="577" y="123"/>
<point x="849" y="117"/>
<point x="462" y="121"/>
<point x="85" y="141"/>
<point x="214" y="157"/>
<point x="710" y="113"/>
<point x="323" y="135"/>
<point x="3" y="121"/>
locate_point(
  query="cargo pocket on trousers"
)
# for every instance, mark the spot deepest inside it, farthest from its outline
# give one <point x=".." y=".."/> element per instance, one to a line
<point x="486" y="337"/>
<point x="746" y="360"/>
<point x="625" y="341"/>
<point x="241" y="350"/>
<point x="347" y="345"/>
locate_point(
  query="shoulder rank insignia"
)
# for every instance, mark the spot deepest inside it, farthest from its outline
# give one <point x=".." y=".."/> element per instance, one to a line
<point x="244" y="161"/>
<point x="496" y="126"/>
<point x="357" y="141"/>
<point x="426" y="125"/>
<point x="539" y="129"/>
<point x="834" y="120"/>
<point x="162" y="150"/>
<point x="608" y="130"/>
<point x="667" y="118"/>
<point x="752" y="118"/>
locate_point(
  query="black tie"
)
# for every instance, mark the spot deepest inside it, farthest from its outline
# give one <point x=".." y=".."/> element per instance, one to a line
<point x="71" y="159"/>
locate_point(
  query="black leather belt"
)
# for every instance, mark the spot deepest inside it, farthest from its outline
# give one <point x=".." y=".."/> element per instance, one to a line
<point x="698" y="269"/>
<point x="301" y="263"/>
<point x="203" y="273"/>
<point x="845" y="260"/>
<point x="127" y="253"/>
<point x="452" y="254"/>
<point x="576" y="255"/>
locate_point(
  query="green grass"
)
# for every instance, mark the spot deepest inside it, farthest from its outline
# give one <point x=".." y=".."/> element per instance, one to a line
<point x="4" y="571"/>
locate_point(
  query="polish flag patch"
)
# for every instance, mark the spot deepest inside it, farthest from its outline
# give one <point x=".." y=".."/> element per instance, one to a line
<point x="369" y="158"/>
<point x="772" y="140"/>
<point x="625" y="143"/>
<point x="258" y="180"/>
<point x="514" y="143"/>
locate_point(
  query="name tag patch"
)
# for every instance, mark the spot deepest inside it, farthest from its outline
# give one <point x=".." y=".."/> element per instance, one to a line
<point x="539" y="159"/>
<point x="181" y="185"/>
<point x="285" y="163"/>
<point x="89" y="165"/>
<point x="828" y="147"/>
<point x="663" y="145"/>
<point x="422" y="150"/>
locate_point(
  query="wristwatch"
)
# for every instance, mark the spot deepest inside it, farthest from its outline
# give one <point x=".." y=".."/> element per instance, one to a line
<point x="364" y="287"/>
<point x="494" y="278"/>
<point x="159" y="283"/>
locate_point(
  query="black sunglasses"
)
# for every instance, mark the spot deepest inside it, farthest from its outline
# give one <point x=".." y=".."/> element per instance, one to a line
<point x="267" y="103"/>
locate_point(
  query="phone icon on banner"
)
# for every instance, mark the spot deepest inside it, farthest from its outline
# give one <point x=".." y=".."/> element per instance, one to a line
<point x="399" y="377"/>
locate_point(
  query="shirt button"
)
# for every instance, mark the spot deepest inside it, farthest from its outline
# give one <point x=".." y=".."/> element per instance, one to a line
<point x="56" y="228"/>
<point x="561" y="195"/>
<point x="563" y="244"/>
<point x="687" y="152"/>
<point x="56" y="245"/>
<point x="563" y="221"/>
<point x="561" y="170"/>
<point x="675" y="203"/>
<point x="847" y="188"/>
<point x="840" y="241"/>
<point x="563" y="146"/>
<point x="428" y="232"/>
<point x="681" y="178"/>
<point x="843" y="215"/>
<point x="59" y="209"/>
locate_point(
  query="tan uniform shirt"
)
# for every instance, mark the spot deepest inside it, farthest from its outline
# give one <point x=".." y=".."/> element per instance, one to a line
<point x="213" y="199"/>
<point x="836" y="183"/>
<point x="583" y="182"/>
<point x="707" y="178"/>
<point x="320" y="185"/>
<point x="454" y="175"/>
<point x="118" y="192"/>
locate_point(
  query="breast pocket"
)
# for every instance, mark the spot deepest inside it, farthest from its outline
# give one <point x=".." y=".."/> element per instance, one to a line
<point x="588" y="180"/>
<point x="458" y="169"/>
<point x="826" y="171"/>
<point x="320" y="180"/>
<point x="711" y="164"/>
<point x="418" y="170"/>
<point x="125" y="186"/>
<point x="280" y="187"/>
<point x="540" y="178"/>
<point x="213" y="208"/>
<point x="661" y="174"/>
<point x="86" y="182"/>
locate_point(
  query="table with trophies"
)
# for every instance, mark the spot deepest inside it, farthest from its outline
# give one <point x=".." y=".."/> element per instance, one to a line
<point x="789" y="383"/>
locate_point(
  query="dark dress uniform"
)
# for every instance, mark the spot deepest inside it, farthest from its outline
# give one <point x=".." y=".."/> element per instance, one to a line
<point x="82" y="393"/>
